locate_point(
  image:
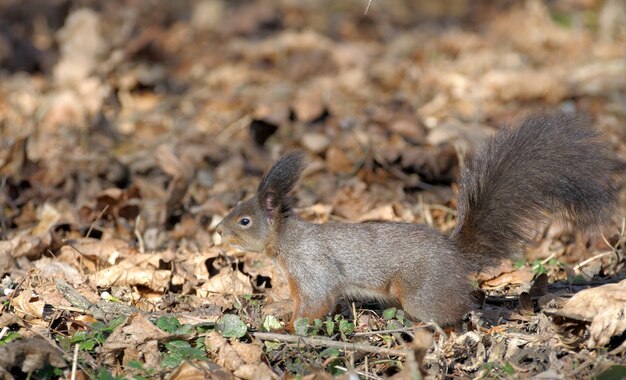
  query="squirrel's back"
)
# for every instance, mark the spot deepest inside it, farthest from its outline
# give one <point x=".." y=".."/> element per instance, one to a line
<point x="553" y="164"/>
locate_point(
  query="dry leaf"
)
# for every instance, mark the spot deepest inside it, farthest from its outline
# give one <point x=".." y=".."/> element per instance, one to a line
<point x="226" y="355"/>
<point x="315" y="142"/>
<point x="135" y="331"/>
<point x="28" y="305"/>
<point x="605" y="306"/>
<point x="123" y="275"/>
<point x="28" y="355"/>
<point x="227" y="282"/>
<point x="199" y="370"/>
<point x="520" y="276"/>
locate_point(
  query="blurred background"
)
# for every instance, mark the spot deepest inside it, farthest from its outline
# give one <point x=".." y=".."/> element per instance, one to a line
<point x="159" y="116"/>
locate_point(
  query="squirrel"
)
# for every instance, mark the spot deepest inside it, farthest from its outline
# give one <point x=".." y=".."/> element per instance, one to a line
<point x="551" y="164"/>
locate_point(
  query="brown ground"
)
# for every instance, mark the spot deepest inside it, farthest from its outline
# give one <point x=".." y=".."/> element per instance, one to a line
<point x="129" y="128"/>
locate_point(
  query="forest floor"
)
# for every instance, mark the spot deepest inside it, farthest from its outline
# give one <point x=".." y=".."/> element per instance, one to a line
<point x="128" y="129"/>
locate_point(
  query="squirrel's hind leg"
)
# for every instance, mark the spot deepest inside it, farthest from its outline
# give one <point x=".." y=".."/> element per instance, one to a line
<point x="442" y="309"/>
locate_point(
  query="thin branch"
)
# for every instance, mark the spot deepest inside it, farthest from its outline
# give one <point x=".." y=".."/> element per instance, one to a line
<point x="142" y="248"/>
<point x="600" y="255"/>
<point x="405" y="329"/>
<point x="364" y="374"/>
<point x="93" y="224"/>
<point x="329" y="343"/>
<point x="74" y="362"/>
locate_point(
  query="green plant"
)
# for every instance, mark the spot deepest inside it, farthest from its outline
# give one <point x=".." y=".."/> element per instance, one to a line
<point x="98" y="332"/>
<point x="231" y="326"/>
<point x="172" y="325"/>
<point x="10" y="336"/>
<point x="179" y="350"/>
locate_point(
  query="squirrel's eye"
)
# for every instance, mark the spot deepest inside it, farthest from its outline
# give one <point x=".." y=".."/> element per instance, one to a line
<point x="244" y="221"/>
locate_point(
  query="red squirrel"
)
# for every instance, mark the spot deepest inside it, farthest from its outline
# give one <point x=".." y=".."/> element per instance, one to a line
<point x="551" y="165"/>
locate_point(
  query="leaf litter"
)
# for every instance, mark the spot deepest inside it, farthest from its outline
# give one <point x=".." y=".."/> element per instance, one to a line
<point x="128" y="130"/>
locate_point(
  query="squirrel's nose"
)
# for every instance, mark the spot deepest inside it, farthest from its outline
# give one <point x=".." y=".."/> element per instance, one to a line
<point x="219" y="229"/>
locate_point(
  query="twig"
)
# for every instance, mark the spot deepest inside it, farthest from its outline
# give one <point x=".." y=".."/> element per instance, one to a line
<point x="368" y="6"/>
<point x="547" y="259"/>
<point x="364" y="374"/>
<point x="72" y="308"/>
<point x="329" y="343"/>
<point x="228" y="131"/>
<point x="142" y="248"/>
<point x="404" y="329"/>
<point x="599" y="255"/>
<point x="65" y="355"/>
<point x="93" y="224"/>
<point x="587" y="363"/>
<point x="74" y="362"/>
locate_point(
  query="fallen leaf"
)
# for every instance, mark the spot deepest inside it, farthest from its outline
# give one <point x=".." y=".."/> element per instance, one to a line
<point x="28" y="305"/>
<point x="227" y="282"/>
<point x="605" y="306"/>
<point x="28" y="355"/>
<point x="124" y="275"/>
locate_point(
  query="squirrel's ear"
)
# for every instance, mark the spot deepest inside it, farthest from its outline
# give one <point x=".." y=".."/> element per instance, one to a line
<point x="270" y="206"/>
<point x="275" y="186"/>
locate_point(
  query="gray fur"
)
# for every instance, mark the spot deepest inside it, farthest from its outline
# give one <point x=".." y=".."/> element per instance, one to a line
<point x="550" y="164"/>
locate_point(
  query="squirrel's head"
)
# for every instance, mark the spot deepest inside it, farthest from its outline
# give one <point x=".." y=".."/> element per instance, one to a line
<point x="250" y="225"/>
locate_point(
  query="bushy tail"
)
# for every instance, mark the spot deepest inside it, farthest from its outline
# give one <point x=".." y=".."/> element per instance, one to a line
<point x="551" y="165"/>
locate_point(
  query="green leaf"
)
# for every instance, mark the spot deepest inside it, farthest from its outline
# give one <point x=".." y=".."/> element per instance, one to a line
<point x="317" y="326"/>
<point x="301" y="326"/>
<point x="519" y="263"/>
<point x="231" y="326"/>
<point x="185" y="330"/>
<point x="330" y="327"/>
<point x="389" y="313"/>
<point x="553" y="262"/>
<point x="135" y="364"/>
<point x="88" y="345"/>
<point x="79" y="336"/>
<point x="387" y="339"/>
<point x="332" y="367"/>
<point x="115" y="323"/>
<point x="168" y="323"/>
<point x="394" y="325"/>
<point x="199" y="343"/>
<point x="204" y="327"/>
<point x="400" y="315"/>
<point x="508" y="369"/>
<point x="272" y="346"/>
<point x="177" y="345"/>
<point x="104" y="374"/>
<point x="271" y="323"/>
<point x="9" y="337"/>
<point x="616" y="372"/>
<point x="346" y="327"/>
<point x="172" y="360"/>
<point x="330" y="352"/>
